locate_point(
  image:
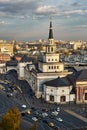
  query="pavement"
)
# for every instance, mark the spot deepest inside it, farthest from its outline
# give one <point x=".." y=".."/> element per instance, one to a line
<point x="76" y="115"/>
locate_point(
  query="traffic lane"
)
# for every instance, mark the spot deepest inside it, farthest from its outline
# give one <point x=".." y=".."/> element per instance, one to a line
<point x="40" y="124"/>
<point x="8" y="103"/>
<point x="69" y="121"/>
<point x="25" y="125"/>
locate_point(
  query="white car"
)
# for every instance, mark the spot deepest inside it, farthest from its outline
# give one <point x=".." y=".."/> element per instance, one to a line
<point x="58" y="108"/>
<point x="59" y="119"/>
<point x="54" y="113"/>
<point x="24" y="106"/>
<point x="34" y="119"/>
<point x="44" y="114"/>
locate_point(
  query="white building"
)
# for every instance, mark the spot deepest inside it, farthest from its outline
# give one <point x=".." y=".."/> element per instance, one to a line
<point x="59" y="90"/>
<point x="2" y="68"/>
<point x="48" y="68"/>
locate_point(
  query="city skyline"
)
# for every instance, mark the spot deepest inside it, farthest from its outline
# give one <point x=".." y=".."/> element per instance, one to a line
<point x="29" y="19"/>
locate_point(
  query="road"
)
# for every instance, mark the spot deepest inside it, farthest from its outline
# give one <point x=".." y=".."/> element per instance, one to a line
<point x="69" y="122"/>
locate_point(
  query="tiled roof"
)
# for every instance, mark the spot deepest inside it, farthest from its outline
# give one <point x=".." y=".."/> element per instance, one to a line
<point x="82" y="75"/>
<point x="58" y="82"/>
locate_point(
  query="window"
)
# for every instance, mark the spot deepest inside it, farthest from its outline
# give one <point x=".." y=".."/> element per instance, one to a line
<point x="62" y="90"/>
<point x="49" y="67"/>
<point x="62" y="98"/>
<point x="51" y="48"/>
<point x="54" y="67"/>
<point x="85" y="96"/>
<point x="52" y="98"/>
<point x="48" y="49"/>
<point x="52" y="59"/>
<point x="57" y="67"/>
<point x="48" y="59"/>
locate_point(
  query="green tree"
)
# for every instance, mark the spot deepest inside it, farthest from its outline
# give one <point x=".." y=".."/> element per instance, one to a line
<point x="11" y="120"/>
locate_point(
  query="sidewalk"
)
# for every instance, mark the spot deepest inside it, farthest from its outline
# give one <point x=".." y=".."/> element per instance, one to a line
<point x="76" y="115"/>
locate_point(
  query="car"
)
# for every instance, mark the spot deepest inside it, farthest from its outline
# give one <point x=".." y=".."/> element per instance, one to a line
<point x="35" y="112"/>
<point x="51" y="116"/>
<point x="9" y="94"/>
<point x="34" y="119"/>
<point x="23" y="114"/>
<point x="45" y="109"/>
<point x="33" y="108"/>
<point x="24" y="106"/>
<point x="44" y="114"/>
<point x="28" y="112"/>
<point x="58" y="109"/>
<point x="45" y="121"/>
<point x="59" y="119"/>
<point x="54" y="113"/>
<point x="51" y="124"/>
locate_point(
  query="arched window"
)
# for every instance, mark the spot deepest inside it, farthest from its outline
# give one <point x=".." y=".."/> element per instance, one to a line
<point x="51" y="49"/>
<point x="62" y="99"/>
<point x="85" y="96"/>
<point x="48" y="49"/>
<point x="52" y="98"/>
<point x="52" y="67"/>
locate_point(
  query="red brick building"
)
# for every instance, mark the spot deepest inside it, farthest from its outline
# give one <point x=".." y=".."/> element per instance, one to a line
<point x="81" y="87"/>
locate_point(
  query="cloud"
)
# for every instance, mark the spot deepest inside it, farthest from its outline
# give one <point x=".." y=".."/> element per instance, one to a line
<point x="18" y="7"/>
<point x="76" y="4"/>
<point x="75" y="12"/>
<point x="4" y="22"/>
<point x="45" y="9"/>
<point x="36" y="9"/>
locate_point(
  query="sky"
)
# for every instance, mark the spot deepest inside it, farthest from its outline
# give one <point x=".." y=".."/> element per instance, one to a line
<point x="28" y="20"/>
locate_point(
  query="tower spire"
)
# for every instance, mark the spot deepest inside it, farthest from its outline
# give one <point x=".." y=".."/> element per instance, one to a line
<point x="50" y="30"/>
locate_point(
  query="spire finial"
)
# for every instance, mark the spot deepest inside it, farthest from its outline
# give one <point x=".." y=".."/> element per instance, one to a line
<point x="50" y="30"/>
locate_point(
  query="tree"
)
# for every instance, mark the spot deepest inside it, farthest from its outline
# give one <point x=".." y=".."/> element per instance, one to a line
<point x="11" y="120"/>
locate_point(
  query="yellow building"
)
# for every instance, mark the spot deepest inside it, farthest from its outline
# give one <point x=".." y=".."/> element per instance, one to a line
<point x="6" y="48"/>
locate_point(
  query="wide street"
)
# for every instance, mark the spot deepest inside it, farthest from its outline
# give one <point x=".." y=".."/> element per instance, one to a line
<point x="69" y="121"/>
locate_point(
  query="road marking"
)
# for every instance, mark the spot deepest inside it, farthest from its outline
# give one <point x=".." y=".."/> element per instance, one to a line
<point x="76" y="115"/>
